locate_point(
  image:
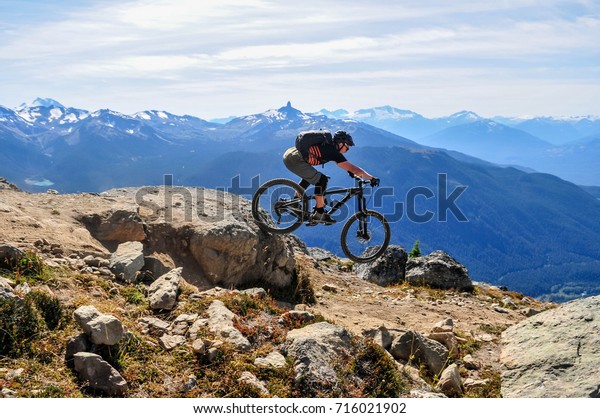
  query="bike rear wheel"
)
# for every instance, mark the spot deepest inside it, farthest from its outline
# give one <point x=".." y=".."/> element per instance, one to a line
<point x="365" y="236"/>
<point x="276" y="207"/>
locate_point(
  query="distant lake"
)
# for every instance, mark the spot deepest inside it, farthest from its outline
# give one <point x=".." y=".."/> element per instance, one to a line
<point x="38" y="182"/>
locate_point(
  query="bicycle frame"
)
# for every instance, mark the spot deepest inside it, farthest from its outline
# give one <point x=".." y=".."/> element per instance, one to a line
<point x="350" y="192"/>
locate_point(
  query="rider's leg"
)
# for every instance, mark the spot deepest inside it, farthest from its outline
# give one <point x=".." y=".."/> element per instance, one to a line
<point x="319" y="214"/>
<point x="297" y="165"/>
<point x="320" y="187"/>
<point x="304" y="184"/>
<point x="309" y="175"/>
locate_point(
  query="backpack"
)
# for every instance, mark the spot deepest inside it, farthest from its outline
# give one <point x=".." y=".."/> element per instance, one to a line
<point x="307" y="139"/>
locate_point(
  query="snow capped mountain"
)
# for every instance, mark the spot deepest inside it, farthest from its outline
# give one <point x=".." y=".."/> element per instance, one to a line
<point x="487" y="139"/>
<point x="9" y="116"/>
<point x="50" y="114"/>
<point x="464" y="116"/>
<point x="380" y="113"/>
<point x="335" y="114"/>
<point x="152" y="114"/>
<point x="281" y="119"/>
<point x="522" y="141"/>
<point x="285" y="113"/>
<point x="385" y="113"/>
<point x="561" y="130"/>
<point x="163" y="117"/>
<point x="38" y="102"/>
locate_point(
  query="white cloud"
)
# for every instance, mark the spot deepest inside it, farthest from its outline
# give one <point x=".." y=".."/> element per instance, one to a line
<point x="239" y="48"/>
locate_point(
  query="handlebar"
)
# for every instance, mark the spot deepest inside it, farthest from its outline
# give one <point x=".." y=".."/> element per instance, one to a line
<point x="360" y="180"/>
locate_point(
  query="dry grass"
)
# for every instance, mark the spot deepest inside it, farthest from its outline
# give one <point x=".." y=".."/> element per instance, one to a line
<point x="41" y="371"/>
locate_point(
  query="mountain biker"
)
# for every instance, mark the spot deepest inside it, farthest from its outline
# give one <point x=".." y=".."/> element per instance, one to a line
<point x="323" y="153"/>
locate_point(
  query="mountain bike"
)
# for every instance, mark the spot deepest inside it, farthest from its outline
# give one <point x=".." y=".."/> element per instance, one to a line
<point x="281" y="206"/>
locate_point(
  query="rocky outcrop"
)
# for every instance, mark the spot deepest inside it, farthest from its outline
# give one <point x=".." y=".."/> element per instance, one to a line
<point x="314" y="349"/>
<point x="388" y="269"/>
<point x="211" y="232"/>
<point x="208" y="232"/>
<point x="120" y="225"/>
<point x="438" y="270"/>
<point x="554" y="354"/>
<point x="231" y="253"/>
<point x="10" y="256"/>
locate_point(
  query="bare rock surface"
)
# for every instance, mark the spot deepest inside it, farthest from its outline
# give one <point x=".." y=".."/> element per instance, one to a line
<point x="554" y="354"/>
<point x="208" y="232"/>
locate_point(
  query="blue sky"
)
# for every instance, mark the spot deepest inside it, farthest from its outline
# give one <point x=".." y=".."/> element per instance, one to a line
<point x="237" y="57"/>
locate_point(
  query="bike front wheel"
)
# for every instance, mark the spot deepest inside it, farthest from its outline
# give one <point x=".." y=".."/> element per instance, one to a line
<point x="279" y="206"/>
<point x="365" y="236"/>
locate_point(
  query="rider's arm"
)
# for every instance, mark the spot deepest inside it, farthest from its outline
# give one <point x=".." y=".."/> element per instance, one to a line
<point x="348" y="166"/>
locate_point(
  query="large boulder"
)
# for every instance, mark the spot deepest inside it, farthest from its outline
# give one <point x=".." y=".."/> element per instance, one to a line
<point x="388" y="269"/>
<point x="127" y="261"/>
<point x="231" y="253"/>
<point x="413" y="346"/>
<point x="100" y="328"/>
<point x="438" y="270"/>
<point x="554" y="354"/>
<point x="99" y="374"/>
<point x="315" y="349"/>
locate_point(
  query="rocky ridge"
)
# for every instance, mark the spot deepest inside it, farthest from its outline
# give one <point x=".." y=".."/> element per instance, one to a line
<point x="439" y="341"/>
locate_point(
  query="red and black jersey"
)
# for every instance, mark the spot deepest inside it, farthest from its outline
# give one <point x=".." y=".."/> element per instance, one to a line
<point x="323" y="153"/>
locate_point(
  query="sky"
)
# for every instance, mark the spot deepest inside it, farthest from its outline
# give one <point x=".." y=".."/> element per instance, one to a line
<point x="218" y="58"/>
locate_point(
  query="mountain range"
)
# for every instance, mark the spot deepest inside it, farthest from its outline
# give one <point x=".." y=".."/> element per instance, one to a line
<point x="530" y="231"/>
<point x="567" y="147"/>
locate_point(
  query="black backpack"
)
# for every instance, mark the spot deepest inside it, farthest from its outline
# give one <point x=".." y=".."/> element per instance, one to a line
<point x="307" y="139"/>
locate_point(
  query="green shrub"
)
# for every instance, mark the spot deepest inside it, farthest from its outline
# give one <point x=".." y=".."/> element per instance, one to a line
<point x="134" y="295"/>
<point x="29" y="268"/>
<point x="22" y="321"/>
<point x="20" y="325"/>
<point x="48" y="306"/>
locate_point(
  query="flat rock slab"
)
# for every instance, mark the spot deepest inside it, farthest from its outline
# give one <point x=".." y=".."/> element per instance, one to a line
<point x="554" y="354"/>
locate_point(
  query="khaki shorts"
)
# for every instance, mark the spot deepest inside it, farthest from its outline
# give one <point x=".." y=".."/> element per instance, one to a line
<point x="295" y="163"/>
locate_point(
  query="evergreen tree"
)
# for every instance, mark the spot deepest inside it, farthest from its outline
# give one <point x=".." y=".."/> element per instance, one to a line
<point x="416" y="251"/>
